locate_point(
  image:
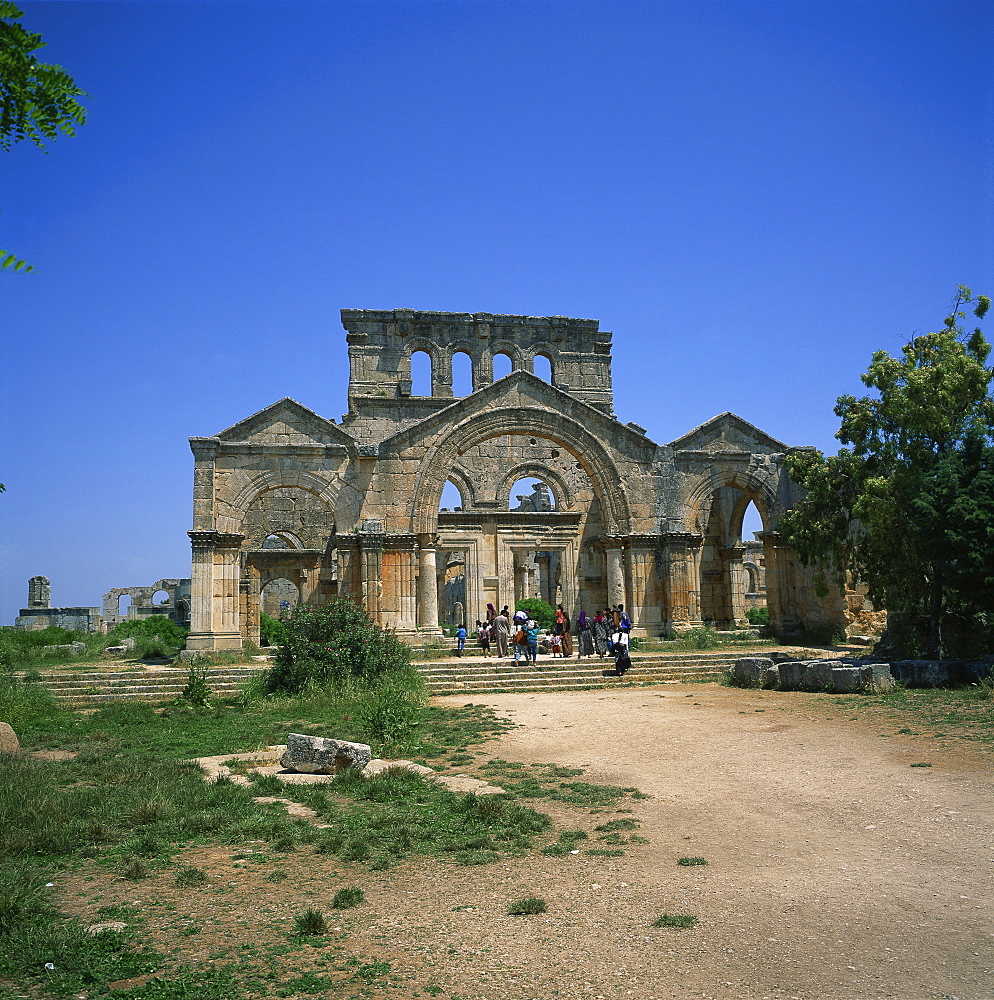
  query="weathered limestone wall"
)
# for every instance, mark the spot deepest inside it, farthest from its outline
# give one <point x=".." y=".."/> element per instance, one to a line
<point x="289" y="502"/>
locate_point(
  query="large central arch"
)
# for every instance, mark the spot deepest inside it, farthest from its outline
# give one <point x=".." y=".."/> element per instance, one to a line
<point x="585" y="448"/>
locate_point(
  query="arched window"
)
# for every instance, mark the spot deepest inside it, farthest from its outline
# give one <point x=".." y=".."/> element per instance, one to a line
<point x="160" y="597"/>
<point x="421" y="374"/>
<point x="462" y="374"/>
<point x="451" y="497"/>
<point x="531" y="495"/>
<point x="543" y="368"/>
<point x="124" y="605"/>
<point x="751" y="522"/>
<point x="503" y="365"/>
<point x="276" y="542"/>
<point x="278" y="597"/>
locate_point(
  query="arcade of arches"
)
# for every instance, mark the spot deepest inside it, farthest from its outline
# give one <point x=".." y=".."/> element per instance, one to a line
<point x="557" y="498"/>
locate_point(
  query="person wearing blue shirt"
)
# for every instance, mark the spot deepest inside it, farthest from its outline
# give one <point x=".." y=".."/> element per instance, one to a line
<point x="460" y="640"/>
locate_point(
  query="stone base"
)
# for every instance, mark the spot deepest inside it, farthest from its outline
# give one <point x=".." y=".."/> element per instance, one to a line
<point x="214" y="641"/>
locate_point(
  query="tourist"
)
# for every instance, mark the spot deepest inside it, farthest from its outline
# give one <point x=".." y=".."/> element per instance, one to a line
<point x="483" y="637"/>
<point x="531" y="650"/>
<point x="501" y="630"/>
<point x="521" y="643"/>
<point x="520" y="617"/>
<point x="619" y="647"/>
<point x="491" y="614"/>
<point x="461" y="639"/>
<point x="562" y="621"/>
<point x="599" y="633"/>
<point x="585" y="640"/>
<point x="556" y="644"/>
<point x="624" y="623"/>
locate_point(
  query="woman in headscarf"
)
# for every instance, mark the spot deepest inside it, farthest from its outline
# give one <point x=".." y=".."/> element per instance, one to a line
<point x="599" y="631"/>
<point x="563" y="630"/>
<point x="491" y="614"/>
<point x="584" y="639"/>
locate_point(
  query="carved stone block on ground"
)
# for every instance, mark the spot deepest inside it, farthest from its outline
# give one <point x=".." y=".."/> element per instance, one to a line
<point x="318" y="755"/>
<point x="818" y="674"/>
<point x="846" y="680"/>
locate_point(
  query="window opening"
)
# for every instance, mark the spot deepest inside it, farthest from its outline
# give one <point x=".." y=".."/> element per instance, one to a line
<point x="543" y="368"/>
<point x="160" y="597"/>
<point x="421" y="374"/>
<point x="451" y="498"/>
<point x="502" y="366"/>
<point x="124" y="605"/>
<point x="531" y="495"/>
<point x="462" y="374"/>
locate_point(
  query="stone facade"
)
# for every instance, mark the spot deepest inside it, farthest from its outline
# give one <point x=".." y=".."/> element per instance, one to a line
<point x="290" y="503"/>
<point x="175" y="604"/>
<point x="38" y="614"/>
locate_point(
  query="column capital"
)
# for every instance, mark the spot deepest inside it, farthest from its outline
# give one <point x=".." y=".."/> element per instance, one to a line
<point x="216" y="539"/>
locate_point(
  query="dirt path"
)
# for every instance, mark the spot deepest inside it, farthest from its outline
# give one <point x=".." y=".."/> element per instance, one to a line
<point x="836" y="870"/>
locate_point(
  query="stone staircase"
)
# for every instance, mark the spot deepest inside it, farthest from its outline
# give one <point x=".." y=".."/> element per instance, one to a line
<point x="84" y="687"/>
<point x="479" y="674"/>
<point x="81" y="686"/>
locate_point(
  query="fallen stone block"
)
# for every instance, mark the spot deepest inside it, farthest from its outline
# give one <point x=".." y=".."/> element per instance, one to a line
<point x="9" y="743"/>
<point x="847" y="680"/>
<point x="318" y="755"/>
<point x="749" y="669"/>
<point x="375" y="767"/>
<point x="792" y="674"/>
<point x="818" y="674"/>
<point x="863" y="640"/>
<point x="771" y="676"/>
<point x="877" y="677"/>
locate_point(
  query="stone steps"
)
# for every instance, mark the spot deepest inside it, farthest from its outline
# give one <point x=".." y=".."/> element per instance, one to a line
<point x="559" y="675"/>
<point x="158" y="685"/>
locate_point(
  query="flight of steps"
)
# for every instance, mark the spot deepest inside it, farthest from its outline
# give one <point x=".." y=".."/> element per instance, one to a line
<point x="158" y="684"/>
<point x="478" y="674"/>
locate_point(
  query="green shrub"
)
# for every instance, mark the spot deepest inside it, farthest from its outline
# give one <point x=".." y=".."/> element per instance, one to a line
<point x="22" y="649"/>
<point x="682" y="920"/>
<point x="537" y="609"/>
<point x="527" y="906"/>
<point x="758" y="616"/>
<point x="334" y="644"/>
<point x="271" y="631"/>
<point x="348" y="897"/>
<point x="310" y="923"/>
<point x="164" y="628"/>
<point x="705" y="636"/>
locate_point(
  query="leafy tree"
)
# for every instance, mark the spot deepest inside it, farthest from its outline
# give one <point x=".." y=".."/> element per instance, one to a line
<point x="37" y="100"/>
<point x="539" y="610"/>
<point x="908" y="507"/>
<point x="152" y="625"/>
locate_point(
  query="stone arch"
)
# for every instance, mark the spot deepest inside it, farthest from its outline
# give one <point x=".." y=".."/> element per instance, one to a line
<point x="272" y="480"/>
<point x="759" y="489"/>
<point x="472" y="351"/>
<point x="538" y="470"/>
<point x="512" y="350"/>
<point x="441" y="363"/>
<point x="588" y="451"/>
<point x="302" y="516"/>
<point x="550" y="355"/>
<point x="465" y="487"/>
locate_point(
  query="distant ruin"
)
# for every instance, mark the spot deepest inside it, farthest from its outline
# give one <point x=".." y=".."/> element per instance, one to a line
<point x="291" y="506"/>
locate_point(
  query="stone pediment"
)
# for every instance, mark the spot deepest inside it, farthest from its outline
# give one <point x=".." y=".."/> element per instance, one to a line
<point x="518" y="390"/>
<point x="285" y="422"/>
<point x="728" y="433"/>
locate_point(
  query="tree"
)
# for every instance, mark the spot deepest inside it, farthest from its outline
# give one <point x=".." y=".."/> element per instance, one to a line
<point x="908" y="507"/>
<point x="37" y="100"/>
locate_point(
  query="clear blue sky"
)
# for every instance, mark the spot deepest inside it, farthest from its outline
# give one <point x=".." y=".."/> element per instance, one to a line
<point x="753" y="196"/>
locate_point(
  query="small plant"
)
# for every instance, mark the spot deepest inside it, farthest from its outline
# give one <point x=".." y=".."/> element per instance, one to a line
<point x="527" y="906"/>
<point x="310" y="923"/>
<point x="277" y="875"/>
<point x="705" y="636"/>
<point x="190" y="876"/>
<point x="135" y="869"/>
<point x="197" y="691"/>
<point x="922" y="764"/>
<point x="758" y="616"/>
<point x="682" y="920"/>
<point x="348" y="897"/>
<point x="690" y="862"/>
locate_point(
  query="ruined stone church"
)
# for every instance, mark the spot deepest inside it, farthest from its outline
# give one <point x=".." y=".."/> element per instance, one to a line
<point x="292" y="506"/>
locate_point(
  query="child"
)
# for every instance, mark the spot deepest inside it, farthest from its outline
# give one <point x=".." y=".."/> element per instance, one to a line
<point x="557" y="645"/>
<point x="483" y="637"/>
<point x="460" y="640"/>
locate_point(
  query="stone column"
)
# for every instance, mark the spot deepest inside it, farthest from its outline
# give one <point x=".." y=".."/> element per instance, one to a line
<point x="252" y="600"/>
<point x="371" y="549"/>
<point x="682" y="601"/>
<point x="215" y="617"/>
<point x="427" y="586"/>
<point x="643" y="587"/>
<point x="39" y="592"/>
<point x="615" y="572"/>
<point x="737" y="581"/>
<point x="399" y="601"/>
<point x="780" y="599"/>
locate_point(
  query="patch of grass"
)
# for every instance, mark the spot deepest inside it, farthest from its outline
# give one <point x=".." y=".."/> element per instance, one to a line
<point x="527" y="906"/>
<point x="682" y="920"/>
<point x="691" y="862"/>
<point x="277" y="875"/>
<point x="566" y="844"/>
<point x="189" y="877"/>
<point x="348" y="897"/>
<point x="310" y="923"/>
<point x="543" y="781"/>
<point x="922" y="764"/>
<point x="617" y="824"/>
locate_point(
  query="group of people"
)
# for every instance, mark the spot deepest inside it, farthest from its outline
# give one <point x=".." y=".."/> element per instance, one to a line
<point x="607" y="632"/>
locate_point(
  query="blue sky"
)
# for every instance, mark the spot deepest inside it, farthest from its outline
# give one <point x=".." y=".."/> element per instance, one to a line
<point x="753" y="197"/>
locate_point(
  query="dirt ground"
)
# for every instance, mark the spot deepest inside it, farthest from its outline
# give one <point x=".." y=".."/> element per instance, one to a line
<point x="835" y="868"/>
